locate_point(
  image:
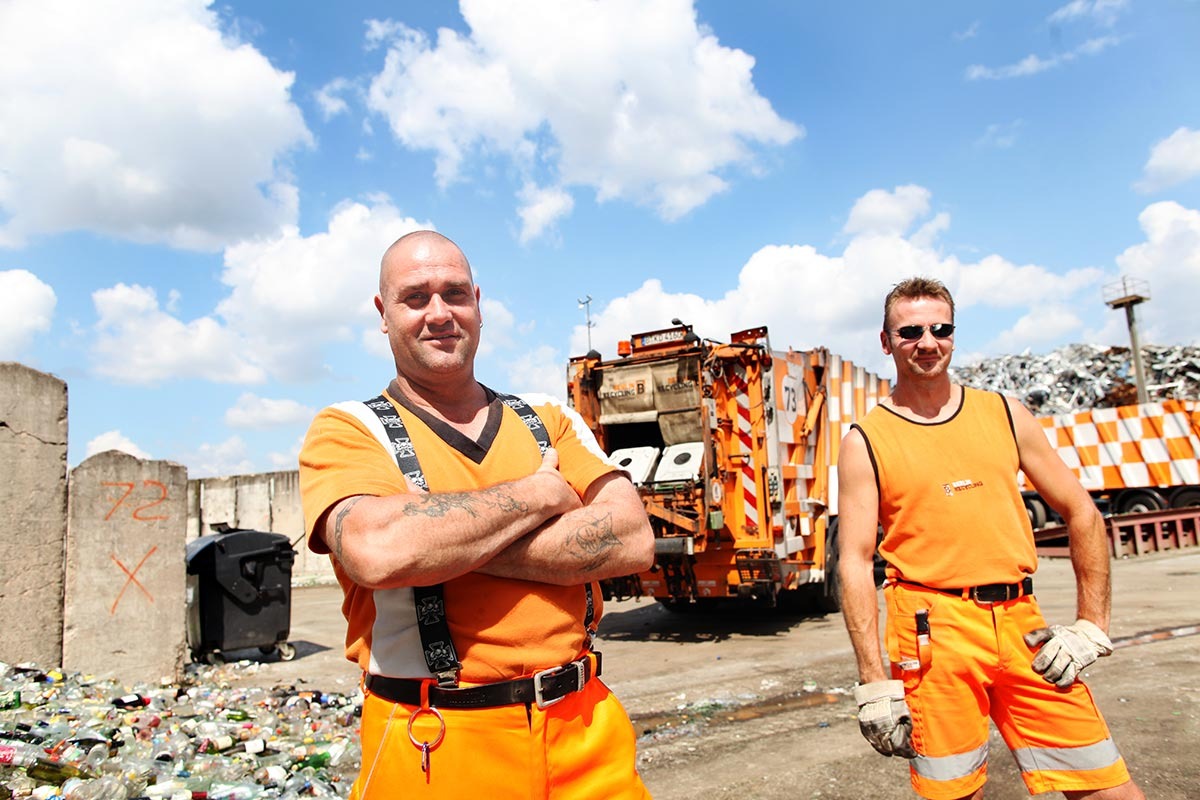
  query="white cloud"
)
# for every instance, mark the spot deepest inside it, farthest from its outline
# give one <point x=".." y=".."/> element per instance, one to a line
<point x="316" y="288"/>
<point x="1173" y="160"/>
<point x="288" y="459"/>
<point x="114" y="440"/>
<point x="1033" y="64"/>
<point x="289" y="297"/>
<point x="926" y="236"/>
<point x="669" y="111"/>
<point x="329" y="97"/>
<point x="220" y="459"/>
<point x="499" y="325"/>
<point x="540" y="369"/>
<point x="252" y="411"/>
<point x="1103" y="12"/>
<point x="1000" y="135"/>
<point x="970" y="32"/>
<point x="888" y="213"/>
<point x="140" y="120"/>
<point x="1169" y="260"/>
<point x="541" y="207"/>
<point x="380" y="31"/>
<point x="375" y="343"/>
<point x="809" y="299"/>
<point x="137" y="342"/>
<point x="997" y="282"/>
<point x="26" y="309"/>
<point x="1044" y="326"/>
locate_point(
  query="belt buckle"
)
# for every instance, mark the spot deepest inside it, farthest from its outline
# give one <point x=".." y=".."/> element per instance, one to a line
<point x="553" y="672"/>
<point x="997" y="593"/>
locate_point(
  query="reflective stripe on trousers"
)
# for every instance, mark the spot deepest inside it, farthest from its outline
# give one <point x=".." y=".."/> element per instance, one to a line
<point x="976" y="665"/>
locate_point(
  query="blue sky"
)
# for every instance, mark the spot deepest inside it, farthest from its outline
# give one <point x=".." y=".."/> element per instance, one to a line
<point x="194" y="197"/>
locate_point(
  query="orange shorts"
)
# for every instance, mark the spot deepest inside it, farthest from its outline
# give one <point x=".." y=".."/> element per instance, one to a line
<point x="581" y="748"/>
<point x="976" y="666"/>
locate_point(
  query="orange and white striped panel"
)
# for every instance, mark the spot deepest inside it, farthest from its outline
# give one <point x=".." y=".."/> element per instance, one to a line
<point x="746" y="439"/>
<point x="1153" y="444"/>
<point x="852" y="392"/>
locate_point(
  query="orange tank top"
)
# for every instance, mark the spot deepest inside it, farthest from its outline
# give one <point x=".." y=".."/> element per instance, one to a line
<point x="949" y="503"/>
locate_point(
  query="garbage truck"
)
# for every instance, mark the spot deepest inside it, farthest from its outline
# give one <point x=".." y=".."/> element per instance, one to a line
<point x="1131" y="459"/>
<point x="733" y="448"/>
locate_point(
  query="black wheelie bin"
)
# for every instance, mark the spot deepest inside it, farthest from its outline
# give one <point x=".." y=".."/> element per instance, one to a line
<point x="239" y="593"/>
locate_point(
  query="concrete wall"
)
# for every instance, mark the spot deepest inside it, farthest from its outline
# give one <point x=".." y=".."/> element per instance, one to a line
<point x="125" y="610"/>
<point x="268" y="501"/>
<point x="33" y="513"/>
<point x="122" y="567"/>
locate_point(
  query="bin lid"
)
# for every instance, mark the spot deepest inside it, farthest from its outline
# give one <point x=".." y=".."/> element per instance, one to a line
<point x="237" y="542"/>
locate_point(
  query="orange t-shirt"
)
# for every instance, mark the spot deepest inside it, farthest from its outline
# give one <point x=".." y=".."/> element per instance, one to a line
<point x="949" y="503"/>
<point x="502" y="628"/>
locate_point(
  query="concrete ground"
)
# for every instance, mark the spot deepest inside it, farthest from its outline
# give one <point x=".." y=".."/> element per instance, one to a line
<point x="749" y="704"/>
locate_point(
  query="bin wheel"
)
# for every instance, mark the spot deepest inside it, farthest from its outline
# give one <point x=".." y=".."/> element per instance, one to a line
<point x="214" y="658"/>
<point x="286" y="651"/>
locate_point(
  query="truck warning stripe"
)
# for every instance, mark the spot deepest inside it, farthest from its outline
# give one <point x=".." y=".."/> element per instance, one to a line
<point x="745" y="436"/>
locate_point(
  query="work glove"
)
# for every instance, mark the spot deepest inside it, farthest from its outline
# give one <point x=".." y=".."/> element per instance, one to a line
<point x="883" y="718"/>
<point x="1067" y="650"/>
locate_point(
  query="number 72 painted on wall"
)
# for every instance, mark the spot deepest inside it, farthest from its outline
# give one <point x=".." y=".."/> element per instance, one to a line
<point x="136" y="513"/>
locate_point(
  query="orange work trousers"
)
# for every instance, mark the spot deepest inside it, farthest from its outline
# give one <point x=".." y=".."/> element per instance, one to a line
<point x="975" y="666"/>
<point x="581" y="748"/>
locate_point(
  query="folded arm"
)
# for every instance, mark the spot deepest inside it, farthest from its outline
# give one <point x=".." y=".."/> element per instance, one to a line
<point x="419" y="539"/>
<point x="608" y="536"/>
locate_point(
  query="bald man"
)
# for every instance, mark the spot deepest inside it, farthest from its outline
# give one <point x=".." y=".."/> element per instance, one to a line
<point x="467" y="529"/>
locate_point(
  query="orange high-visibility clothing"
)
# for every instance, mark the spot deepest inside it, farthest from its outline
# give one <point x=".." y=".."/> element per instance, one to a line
<point x="502" y="628"/>
<point x="951" y="511"/>
<point x="953" y="518"/>
<point x="577" y="749"/>
<point x="581" y="748"/>
<point x="977" y="665"/>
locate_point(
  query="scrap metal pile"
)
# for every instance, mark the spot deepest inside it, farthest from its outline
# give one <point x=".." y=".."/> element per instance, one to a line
<point x="1080" y="377"/>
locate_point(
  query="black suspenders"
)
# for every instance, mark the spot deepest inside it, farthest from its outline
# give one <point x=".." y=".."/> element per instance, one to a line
<point x="440" y="655"/>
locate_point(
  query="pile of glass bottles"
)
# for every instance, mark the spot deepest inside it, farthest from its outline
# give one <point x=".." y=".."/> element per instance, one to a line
<point x="73" y="737"/>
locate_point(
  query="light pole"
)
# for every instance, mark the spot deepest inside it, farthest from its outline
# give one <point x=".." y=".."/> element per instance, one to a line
<point x="1129" y="293"/>
<point x="586" y="304"/>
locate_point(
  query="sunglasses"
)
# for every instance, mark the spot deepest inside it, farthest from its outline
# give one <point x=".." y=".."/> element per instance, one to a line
<point x="911" y="333"/>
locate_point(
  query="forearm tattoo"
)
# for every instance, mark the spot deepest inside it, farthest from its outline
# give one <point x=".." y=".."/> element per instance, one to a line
<point x="591" y="542"/>
<point x="470" y="503"/>
<point x="337" y="525"/>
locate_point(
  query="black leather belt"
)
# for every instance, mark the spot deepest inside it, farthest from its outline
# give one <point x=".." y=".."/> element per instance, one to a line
<point x="545" y="688"/>
<point x="990" y="593"/>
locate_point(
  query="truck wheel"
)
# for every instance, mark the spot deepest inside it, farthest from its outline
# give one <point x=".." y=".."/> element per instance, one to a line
<point x="1035" y="507"/>
<point x="1188" y="497"/>
<point x="830" y="600"/>
<point x="676" y="606"/>
<point x="1136" y="501"/>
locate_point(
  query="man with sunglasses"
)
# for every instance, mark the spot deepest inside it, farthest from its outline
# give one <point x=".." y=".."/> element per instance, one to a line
<point x="935" y="464"/>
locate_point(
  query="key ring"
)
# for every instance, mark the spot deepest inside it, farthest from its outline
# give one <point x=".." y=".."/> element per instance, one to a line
<point x="441" y="732"/>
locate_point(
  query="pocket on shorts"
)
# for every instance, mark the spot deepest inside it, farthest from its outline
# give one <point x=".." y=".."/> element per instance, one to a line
<point x="909" y="655"/>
